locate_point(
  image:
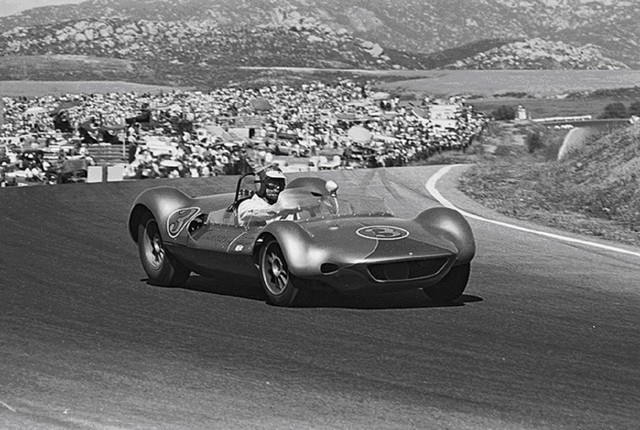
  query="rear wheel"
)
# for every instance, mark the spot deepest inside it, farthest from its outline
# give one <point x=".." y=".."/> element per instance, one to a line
<point x="161" y="267"/>
<point x="279" y="284"/>
<point x="451" y="286"/>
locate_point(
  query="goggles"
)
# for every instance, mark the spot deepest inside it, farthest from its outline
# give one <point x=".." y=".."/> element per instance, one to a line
<point x="273" y="185"/>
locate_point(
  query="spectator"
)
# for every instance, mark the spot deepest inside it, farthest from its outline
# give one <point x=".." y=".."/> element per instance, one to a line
<point x="318" y="116"/>
<point x="132" y="148"/>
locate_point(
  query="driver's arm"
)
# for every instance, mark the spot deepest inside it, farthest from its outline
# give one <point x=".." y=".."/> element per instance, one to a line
<point x="255" y="209"/>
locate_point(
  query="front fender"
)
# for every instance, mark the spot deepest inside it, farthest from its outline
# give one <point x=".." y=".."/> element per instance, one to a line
<point x="449" y="224"/>
<point x="297" y="245"/>
<point x="159" y="202"/>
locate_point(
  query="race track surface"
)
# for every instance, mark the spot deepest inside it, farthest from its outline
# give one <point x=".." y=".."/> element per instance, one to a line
<point x="545" y="336"/>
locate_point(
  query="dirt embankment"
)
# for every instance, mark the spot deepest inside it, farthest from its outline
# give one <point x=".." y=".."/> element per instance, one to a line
<point x="593" y="190"/>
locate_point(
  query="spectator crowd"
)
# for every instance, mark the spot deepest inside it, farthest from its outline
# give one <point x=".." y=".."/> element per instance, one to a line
<point x="193" y="133"/>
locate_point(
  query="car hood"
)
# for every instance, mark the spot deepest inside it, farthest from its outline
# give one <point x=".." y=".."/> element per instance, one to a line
<point x="376" y="239"/>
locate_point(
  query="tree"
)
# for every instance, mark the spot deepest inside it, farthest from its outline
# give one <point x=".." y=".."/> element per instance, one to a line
<point x="615" y="110"/>
<point x="534" y="142"/>
<point x="504" y="113"/>
<point x="634" y="108"/>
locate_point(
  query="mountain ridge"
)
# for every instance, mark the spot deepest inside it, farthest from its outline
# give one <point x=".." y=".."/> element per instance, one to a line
<point x="371" y="34"/>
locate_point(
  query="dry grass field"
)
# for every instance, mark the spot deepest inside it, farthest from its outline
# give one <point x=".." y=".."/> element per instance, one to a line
<point x="541" y="92"/>
<point x="489" y="83"/>
<point x="55" y="88"/>
<point x="477" y="84"/>
<point x="549" y="107"/>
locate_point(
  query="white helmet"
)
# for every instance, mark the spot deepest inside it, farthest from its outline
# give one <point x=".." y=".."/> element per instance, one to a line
<point x="270" y="179"/>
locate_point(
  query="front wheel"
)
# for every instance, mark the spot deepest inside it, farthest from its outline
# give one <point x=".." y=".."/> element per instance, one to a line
<point x="451" y="286"/>
<point x="279" y="285"/>
<point x="161" y="267"/>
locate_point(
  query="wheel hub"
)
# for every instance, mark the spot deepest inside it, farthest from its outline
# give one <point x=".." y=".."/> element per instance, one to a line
<point x="157" y="246"/>
<point x="155" y="249"/>
<point x="276" y="275"/>
<point x="276" y="268"/>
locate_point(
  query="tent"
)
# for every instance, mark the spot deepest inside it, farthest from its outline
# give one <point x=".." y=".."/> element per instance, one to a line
<point x="359" y="134"/>
<point x="380" y="95"/>
<point x="34" y="110"/>
<point x="218" y="132"/>
<point x="261" y="105"/>
<point x="422" y="114"/>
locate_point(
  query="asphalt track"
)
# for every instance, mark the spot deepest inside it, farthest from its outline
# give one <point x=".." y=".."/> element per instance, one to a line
<point x="547" y="334"/>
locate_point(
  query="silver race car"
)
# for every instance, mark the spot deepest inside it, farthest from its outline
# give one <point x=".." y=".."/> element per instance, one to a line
<point x="317" y="239"/>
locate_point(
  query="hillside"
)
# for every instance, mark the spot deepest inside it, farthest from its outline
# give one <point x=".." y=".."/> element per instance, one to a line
<point x="539" y="54"/>
<point x="594" y="191"/>
<point x="302" y="43"/>
<point x="181" y="41"/>
<point x="406" y="25"/>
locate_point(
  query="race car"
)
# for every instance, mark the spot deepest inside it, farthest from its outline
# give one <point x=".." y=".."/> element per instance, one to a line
<point x="316" y="239"/>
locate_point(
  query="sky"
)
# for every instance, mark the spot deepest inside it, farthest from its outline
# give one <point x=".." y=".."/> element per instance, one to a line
<point x="9" y="7"/>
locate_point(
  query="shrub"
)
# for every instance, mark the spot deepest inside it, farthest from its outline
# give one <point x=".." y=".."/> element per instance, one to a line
<point x="615" y="110"/>
<point x="504" y="113"/>
<point x="534" y="142"/>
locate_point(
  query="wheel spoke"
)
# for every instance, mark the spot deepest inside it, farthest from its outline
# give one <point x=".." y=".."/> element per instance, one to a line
<point x="275" y="271"/>
<point x="160" y="255"/>
<point x="154" y="247"/>
<point x="271" y="258"/>
<point x="282" y="280"/>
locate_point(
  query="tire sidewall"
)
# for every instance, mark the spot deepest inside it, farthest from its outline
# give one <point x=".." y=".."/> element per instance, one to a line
<point x="288" y="295"/>
<point x="154" y="273"/>
<point x="169" y="272"/>
<point x="451" y="286"/>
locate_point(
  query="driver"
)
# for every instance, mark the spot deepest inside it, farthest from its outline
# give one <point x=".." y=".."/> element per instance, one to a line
<point x="258" y="207"/>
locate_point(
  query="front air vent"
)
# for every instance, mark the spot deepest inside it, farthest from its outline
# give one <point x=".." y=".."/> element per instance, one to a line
<point x="406" y="270"/>
<point x="327" y="268"/>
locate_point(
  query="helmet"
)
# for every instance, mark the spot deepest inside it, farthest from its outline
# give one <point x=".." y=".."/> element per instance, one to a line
<point x="271" y="181"/>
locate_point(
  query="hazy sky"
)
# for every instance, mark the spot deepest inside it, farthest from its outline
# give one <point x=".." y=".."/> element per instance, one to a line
<point x="9" y="7"/>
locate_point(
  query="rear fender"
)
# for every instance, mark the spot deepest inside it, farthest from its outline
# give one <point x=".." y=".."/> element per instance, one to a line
<point x="450" y="225"/>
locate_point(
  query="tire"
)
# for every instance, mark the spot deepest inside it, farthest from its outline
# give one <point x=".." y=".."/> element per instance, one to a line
<point x="451" y="286"/>
<point x="280" y="286"/>
<point x="161" y="267"/>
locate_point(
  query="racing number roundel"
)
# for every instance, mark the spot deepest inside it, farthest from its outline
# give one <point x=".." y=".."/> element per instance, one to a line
<point x="382" y="232"/>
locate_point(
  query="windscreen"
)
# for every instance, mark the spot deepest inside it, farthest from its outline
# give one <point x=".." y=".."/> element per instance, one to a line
<point x="307" y="205"/>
